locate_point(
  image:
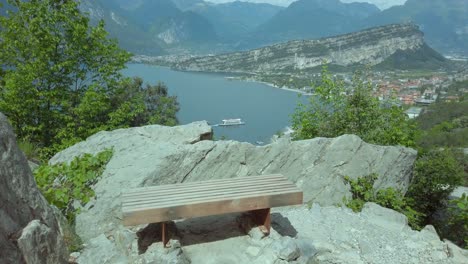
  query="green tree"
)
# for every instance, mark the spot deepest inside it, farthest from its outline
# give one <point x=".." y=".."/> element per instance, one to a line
<point x="53" y="59"/>
<point x="335" y="111"/>
<point x="61" y="79"/>
<point x="436" y="174"/>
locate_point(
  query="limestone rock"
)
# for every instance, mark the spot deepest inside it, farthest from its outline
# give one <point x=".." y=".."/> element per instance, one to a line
<point x="286" y="249"/>
<point x="371" y="46"/>
<point x="458" y="192"/>
<point x="384" y="217"/>
<point x="155" y="155"/>
<point x="29" y="232"/>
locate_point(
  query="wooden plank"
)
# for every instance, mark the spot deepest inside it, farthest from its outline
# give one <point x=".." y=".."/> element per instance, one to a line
<point x="203" y="188"/>
<point x="145" y="216"/>
<point x="160" y="197"/>
<point x="191" y="185"/>
<point x="233" y="196"/>
<point x="210" y="187"/>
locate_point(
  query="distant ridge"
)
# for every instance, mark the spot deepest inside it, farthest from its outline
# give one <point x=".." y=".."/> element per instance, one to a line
<point x="396" y="46"/>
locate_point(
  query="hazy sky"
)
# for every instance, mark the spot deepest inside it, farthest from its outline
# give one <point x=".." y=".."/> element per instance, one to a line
<point x="382" y="4"/>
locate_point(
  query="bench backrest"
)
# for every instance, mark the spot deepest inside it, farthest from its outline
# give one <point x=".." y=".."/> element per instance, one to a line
<point x="195" y="199"/>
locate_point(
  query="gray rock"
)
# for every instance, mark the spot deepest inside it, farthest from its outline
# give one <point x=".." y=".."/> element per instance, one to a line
<point x="384" y="217"/>
<point x="457" y="255"/>
<point x="155" y="155"/>
<point x="286" y="249"/>
<point x="156" y="254"/>
<point x="29" y="232"/>
<point x="102" y="250"/>
<point x="458" y="192"/>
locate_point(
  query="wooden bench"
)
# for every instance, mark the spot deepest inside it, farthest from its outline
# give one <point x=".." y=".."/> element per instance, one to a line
<point x="255" y="194"/>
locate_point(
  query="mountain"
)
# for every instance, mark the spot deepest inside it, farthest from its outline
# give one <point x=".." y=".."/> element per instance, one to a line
<point x="444" y="22"/>
<point x="185" y="5"/>
<point x="164" y="21"/>
<point x="152" y="27"/>
<point x="119" y="25"/>
<point x="398" y="46"/>
<point x="233" y="21"/>
<point x="306" y="19"/>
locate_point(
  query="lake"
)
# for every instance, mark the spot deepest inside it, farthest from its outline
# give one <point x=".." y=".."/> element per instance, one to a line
<point x="211" y="97"/>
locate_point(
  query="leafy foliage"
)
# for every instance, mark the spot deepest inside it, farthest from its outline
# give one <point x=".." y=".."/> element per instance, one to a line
<point x="336" y="111"/>
<point x="63" y="184"/>
<point x="444" y="125"/>
<point x="30" y="150"/>
<point x="459" y="220"/>
<point x="436" y="175"/>
<point x="61" y="80"/>
<point x="362" y="192"/>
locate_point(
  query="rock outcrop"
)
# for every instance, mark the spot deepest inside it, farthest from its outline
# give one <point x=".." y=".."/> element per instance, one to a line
<point x="368" y="47"/>
<point x="29" y="232"/>
<point x="322" y="233"/>
<point x="155" y="155"/>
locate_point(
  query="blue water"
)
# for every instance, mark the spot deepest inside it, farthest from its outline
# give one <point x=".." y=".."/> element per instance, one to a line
<point x="203" y="96"/>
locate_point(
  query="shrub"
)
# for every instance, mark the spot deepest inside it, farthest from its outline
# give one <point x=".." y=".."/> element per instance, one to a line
<point x="436" y="174"/>
<point x="63" y="184"/>
<point x="458" y="223"/>
<point x="336" y="110"/>
<point x="363" y="191"/>
<point x="30" y="150"/>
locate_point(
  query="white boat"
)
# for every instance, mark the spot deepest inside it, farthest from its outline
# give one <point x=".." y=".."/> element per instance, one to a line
<point x="232" y="122"/>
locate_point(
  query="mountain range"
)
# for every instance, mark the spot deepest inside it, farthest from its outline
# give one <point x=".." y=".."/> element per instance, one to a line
<point x="160" y="27"/>
<point x="397" y="46"/>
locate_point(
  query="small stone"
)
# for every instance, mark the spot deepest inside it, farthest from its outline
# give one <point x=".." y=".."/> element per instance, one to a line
<point x="286" y="249"/>
<point x="256" y="233"/>
<point x="253" y="251"/>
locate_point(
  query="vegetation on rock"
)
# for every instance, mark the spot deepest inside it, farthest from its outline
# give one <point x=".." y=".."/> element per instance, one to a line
<point x="335" y="111"/>
<point x="438" y="134"/>
<point x="64" y="184"/>
<point x="458" y="225"/>
<point x="363" y="191"/>
<point x="436" y="175"/>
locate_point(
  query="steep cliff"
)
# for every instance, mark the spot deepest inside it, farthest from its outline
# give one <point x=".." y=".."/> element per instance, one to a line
<point x="372" y="46"/>
<point x="29" y="231"/>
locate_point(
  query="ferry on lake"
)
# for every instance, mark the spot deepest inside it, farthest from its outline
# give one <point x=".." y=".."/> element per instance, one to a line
<point x="232" y="122"/>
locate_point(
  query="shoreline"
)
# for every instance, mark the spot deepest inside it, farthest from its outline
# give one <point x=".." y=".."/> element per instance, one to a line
<point x="271" y="85"/>
<point x="237" y="79"/>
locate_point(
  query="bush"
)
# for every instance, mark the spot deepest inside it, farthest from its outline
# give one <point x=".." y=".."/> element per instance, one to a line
<point x="30" y="150"/>
<point x="335" y="111"/>
<point x="63" y="184"/>
<point x="436" y="174"/>
<point x="458" y="223"/>
<point x="362" y="192"/>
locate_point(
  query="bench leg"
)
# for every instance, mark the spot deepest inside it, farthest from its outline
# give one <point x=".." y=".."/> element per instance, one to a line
<point x="262" y="219"/>
<point x="165" y="237"/>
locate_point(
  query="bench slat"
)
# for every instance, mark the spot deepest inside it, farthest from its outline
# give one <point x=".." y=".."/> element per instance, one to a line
<point x="189" y="185"/>
<point x="201" y="196"/>
<point x="203" y="188"/>
<point x="194" y="199"/>
<point x="240" y="204"/>
<point x="168" y="195"/>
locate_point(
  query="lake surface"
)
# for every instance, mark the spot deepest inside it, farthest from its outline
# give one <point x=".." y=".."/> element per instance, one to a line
<point x="211" y="97"/>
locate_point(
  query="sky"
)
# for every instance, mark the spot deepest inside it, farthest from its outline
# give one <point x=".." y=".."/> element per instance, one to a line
<point x="382" y="4"/>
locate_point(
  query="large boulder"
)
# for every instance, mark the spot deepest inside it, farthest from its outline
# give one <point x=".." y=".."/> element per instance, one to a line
<point x="155" y="155"/>
<point x="29" y="232"/>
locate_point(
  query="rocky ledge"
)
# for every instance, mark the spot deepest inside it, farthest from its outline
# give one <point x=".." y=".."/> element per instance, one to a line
<point x="321" y="233"/>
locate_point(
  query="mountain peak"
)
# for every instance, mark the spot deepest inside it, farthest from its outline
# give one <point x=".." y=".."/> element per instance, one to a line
<point x="386" y="45"/>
